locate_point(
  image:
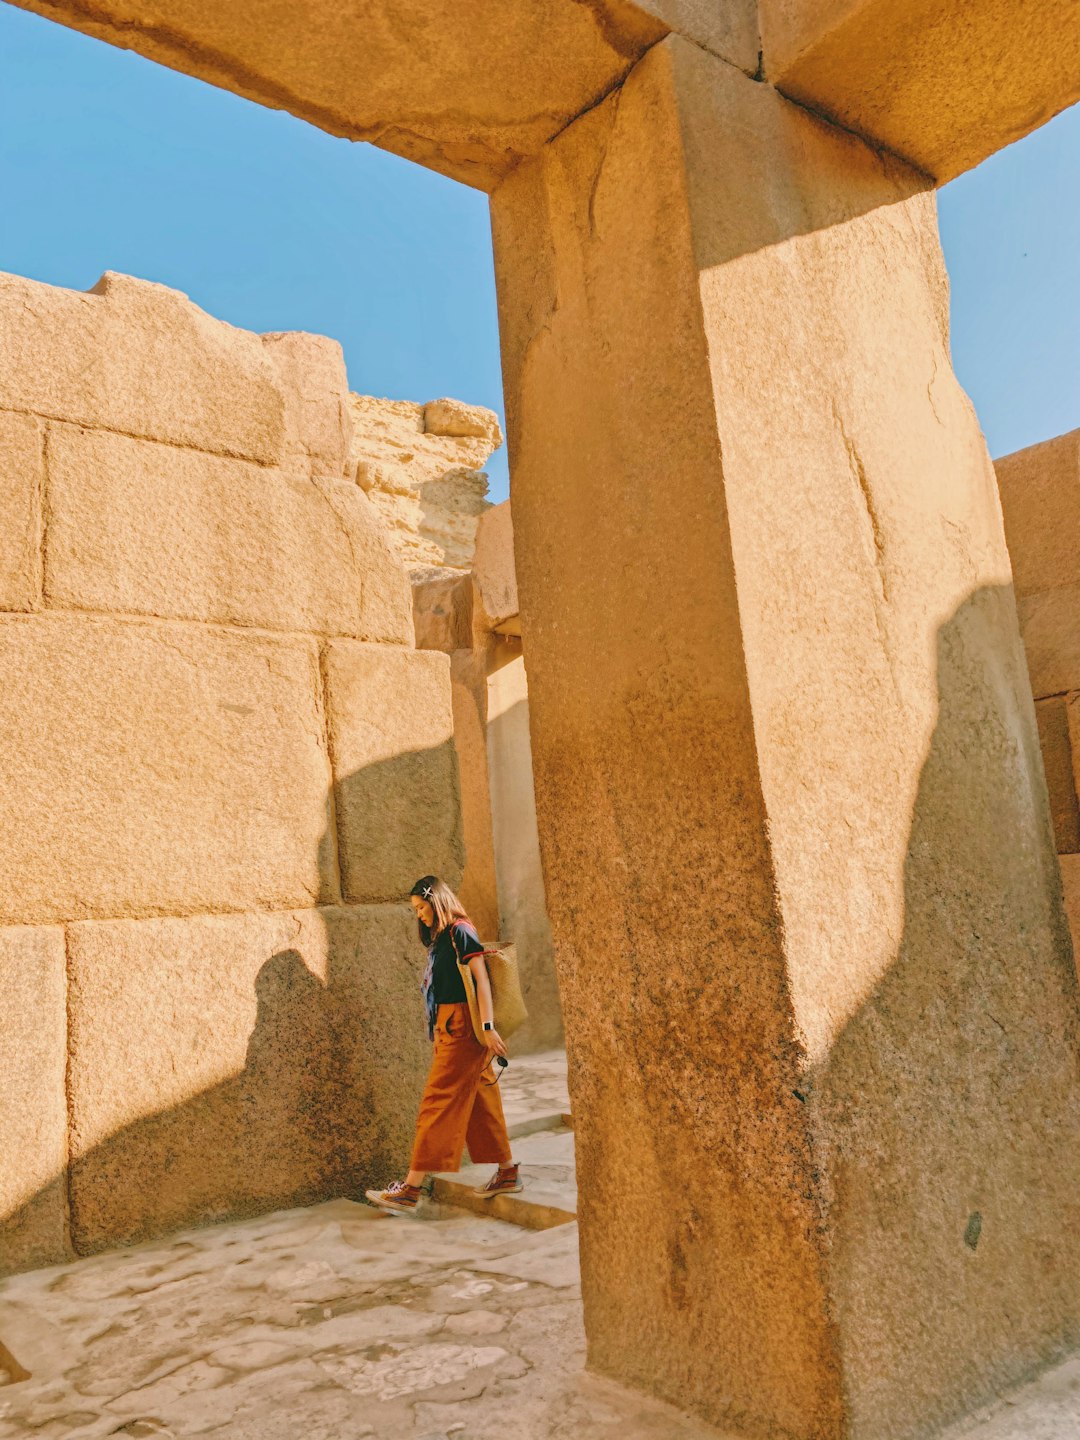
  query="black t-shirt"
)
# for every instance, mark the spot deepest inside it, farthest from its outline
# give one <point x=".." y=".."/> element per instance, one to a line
<point x="458" y="940"/>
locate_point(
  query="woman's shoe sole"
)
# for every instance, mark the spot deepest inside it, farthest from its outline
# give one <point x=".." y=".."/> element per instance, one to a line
<point x="505" y="1190"/>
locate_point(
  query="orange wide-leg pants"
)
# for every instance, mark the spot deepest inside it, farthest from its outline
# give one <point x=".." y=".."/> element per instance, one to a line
<point x="459" y="1107"/>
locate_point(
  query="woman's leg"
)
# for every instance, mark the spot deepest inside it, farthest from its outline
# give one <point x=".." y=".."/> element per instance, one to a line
<point x="448" y="1097"/>
<point x="486" y="1135"/>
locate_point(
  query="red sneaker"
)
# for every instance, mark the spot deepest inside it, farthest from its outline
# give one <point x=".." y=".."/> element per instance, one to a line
<point x="401" y="1198"/>
<point x="505" y="1181"/>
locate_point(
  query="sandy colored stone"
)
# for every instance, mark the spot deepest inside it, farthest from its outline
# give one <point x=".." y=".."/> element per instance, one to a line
<point x="316" y="391"/>
<point x="443" y="610"/>
<point x="147" y="528"/>
<point x="942" y="85"/>
<point x="427" y="486"/>
<point x="454" y="417"/>
<point x="1050" y="625"/>
<point x="33" y="1111"/>
<point x="467" y="92"/>
<point x="522" y="910"/>
<point x="1058" y="762"/>
<point x="494" y="572"/>
<point x="21" y="478"/>
<point x="479" y="886"/>
<point x="805" y="789"/>
<point x="137" y="357"/>
<point x="1040" y="503"/>
<point x="152" y="768"/>
<point x="221" y="1064"/>
<point x="395" y="773"/>
<point x="1070" y="879"/>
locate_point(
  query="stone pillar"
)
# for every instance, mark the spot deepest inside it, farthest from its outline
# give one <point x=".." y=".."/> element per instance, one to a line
<point x="816" y="979"/>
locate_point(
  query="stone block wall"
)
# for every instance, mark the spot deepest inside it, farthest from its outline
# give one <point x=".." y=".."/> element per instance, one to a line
<point x="472" y="616"/>
<point x="1040" y="501"/>
<point x="224" y="765"/>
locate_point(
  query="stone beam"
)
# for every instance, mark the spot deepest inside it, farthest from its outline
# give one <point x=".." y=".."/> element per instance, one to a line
<point x="466" y="89"/>
<point x="942" y="84"/>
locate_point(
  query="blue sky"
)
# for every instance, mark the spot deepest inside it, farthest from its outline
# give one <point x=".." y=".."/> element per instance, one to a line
<point x="108" y="162"/>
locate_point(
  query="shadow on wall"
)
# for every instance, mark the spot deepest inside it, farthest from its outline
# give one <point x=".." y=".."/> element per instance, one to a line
<point x="321" y="1091"/>
<point x="911" y="1197"/>
<point x="950" y="1100"/>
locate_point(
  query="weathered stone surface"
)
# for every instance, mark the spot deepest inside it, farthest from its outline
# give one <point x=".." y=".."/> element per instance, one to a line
<point x="140" y="527"/>
<point x="443" y="610"/>
<point x="1040" y="503"/>
<point x="395" y="774"/>
<point x="132" y="356"/>
<point x="479" y="886"/>
<point x="427" y="486"/>
<point x="222" y="1064"/>
<point x="33" y="1111"/>
<point x="316" y="391"/>
<point x="1058" y="762"/>
<point x="465" y="91"/>
<point x="1050" y="625"/>
<point x="494" y="572"/>
<point x="1070" y="879"/>
<point x="942" y="85"/>
<point x="21" y="472"/>
<point x="522" y="910"/>
<point x="454" y="417"/>
<point x="151" y="768"/>
<point x="844" y="1021"/>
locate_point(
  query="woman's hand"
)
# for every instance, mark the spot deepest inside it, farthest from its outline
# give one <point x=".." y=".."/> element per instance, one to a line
<point x="494" y="1041"/>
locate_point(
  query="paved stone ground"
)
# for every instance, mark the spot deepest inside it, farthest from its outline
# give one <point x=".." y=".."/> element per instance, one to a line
<point x="337" y="1322"/>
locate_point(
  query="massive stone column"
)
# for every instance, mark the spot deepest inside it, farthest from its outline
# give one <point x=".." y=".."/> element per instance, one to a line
<point x="810" y="942"/>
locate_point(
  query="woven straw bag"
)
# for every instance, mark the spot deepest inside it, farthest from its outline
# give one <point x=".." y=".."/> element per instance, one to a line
<point x="508" y="1001"/>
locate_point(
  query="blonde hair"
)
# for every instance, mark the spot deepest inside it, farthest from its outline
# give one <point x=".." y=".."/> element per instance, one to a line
<point x="445" y="904"/>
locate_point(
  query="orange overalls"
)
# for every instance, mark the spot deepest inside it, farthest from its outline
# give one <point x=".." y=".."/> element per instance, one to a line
<point x="459" y="1107"/>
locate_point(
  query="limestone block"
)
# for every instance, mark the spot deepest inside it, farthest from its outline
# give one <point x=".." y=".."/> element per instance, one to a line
<point x="232" y="1064"/>
<point x="522" y="909"/>
<point x="21" y="439"/>
<point x="316" y="391"/>
<point x="493" y="570"/>
<point x="1050" y="626"/>
<point x="479" y="887"/>
<point x="137" y="357"/>
<point x="33" y="1110"/>
<point x="812" y="771"/>
<point x="157" y="768"/>
<point x="426" y="485"/>
<point x="454" y="417"/>
<point x="443" y="610"/>
<point x="942" y="85"/>
<point x="1040" y="503"/>
<point x="395" y="773"/>
<point x="468" y="90"/>
<point x="1058" y="761"/>
<point x="1070" y="879"/>
<point x="141" y="527"/>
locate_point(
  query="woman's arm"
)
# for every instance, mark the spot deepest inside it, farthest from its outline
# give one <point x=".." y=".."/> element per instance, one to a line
<point x="492" y="1039"/>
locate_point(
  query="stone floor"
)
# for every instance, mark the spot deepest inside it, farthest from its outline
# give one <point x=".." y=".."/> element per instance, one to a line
<point x="338" y="1322"/>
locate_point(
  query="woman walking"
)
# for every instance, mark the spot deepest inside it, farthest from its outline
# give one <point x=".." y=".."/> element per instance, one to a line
<point x="461" y="1103"/>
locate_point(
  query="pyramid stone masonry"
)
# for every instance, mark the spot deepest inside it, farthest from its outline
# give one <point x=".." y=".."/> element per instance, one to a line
<point x="799" y="857"/>
<point x="211" y="811"/>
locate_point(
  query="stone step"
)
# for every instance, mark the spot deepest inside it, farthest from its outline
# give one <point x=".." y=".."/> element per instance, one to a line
<point x="545" y="1152"/>
<point x="556" y="1120"/>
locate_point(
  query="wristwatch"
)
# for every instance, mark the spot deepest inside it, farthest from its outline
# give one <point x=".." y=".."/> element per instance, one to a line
<point x="489" y="1025"/>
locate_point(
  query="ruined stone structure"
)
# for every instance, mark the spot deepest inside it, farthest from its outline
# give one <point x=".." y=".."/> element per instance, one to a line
<point x="225" y="764"/>
<point x="1040" y="498"/>
<point x="818" y="987"/>
<point x="473" y="617"/>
